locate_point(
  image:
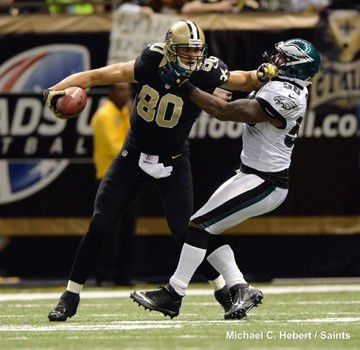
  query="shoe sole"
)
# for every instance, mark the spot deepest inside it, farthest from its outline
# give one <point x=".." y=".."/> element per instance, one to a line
<point x="147" y="306"/>
<point x="242" y="312"/>
<point x="58" y="319"/>
<point x="62" y="318"/>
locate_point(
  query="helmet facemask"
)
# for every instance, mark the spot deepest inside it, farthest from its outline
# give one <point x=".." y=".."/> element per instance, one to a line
<point x="295" y="63"/>
<point x="190" y="61"/>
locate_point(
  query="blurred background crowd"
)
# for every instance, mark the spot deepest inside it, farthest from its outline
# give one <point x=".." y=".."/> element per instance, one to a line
<point x="148" y="7"/>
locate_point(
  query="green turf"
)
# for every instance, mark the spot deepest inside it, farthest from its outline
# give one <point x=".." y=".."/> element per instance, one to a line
<point x="199" y="326"/>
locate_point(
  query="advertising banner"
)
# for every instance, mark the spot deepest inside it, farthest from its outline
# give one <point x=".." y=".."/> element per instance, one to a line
<point x="44" y="160"/>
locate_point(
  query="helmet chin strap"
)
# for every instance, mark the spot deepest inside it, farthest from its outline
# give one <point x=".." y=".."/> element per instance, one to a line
<point x="192" y="68"/>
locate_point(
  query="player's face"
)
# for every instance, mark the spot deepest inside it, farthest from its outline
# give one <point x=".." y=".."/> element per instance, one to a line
<point x="189" y="55"/>
<point x="278" y="58"/>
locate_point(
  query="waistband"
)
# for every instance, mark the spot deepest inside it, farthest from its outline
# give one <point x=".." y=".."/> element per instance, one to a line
<point x="278" y="179"/>
<point x="165" y="151"/>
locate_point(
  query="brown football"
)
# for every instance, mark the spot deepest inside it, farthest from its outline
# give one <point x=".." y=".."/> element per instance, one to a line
<point x="72" y="103"/>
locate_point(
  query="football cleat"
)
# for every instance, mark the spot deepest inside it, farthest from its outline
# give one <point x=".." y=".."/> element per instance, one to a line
<point x="65" y="308"/>
<point x="243" y="299"/>
<point x="223" y="297"/>
<point x="164" y="300"/>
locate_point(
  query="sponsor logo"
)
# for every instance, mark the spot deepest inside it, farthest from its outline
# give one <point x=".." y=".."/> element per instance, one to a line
<point x="331" y="124"/>
<point x="29" y="133"/>
<point x="206" y="126"/>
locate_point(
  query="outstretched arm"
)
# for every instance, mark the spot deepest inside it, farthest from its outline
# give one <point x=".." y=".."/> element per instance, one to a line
<point x="247" y="81"/>
<point x="242" y="110"/>
<point x="114" y="73"/>
<point x="240" y="80"/>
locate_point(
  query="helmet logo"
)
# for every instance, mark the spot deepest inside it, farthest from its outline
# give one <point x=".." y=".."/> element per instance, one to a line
<point x="294" y="52"/>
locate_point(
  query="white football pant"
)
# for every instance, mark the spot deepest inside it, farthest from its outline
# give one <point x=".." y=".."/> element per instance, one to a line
<point x="239" y="198"/>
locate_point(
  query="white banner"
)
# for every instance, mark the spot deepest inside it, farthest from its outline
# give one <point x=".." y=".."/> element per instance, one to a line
<point x="131" y="32"/>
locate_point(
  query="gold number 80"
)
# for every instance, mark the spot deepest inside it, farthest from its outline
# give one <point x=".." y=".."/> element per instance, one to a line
<point x="148" y="99"/>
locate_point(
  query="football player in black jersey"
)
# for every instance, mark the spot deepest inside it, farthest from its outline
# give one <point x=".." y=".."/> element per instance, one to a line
<point x="156" y="148"/>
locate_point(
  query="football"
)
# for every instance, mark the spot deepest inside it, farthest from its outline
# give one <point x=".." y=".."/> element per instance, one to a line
<point x="72" y="103"/>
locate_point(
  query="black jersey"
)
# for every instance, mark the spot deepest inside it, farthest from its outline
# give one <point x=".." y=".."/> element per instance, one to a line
<point x="160" y="119"/>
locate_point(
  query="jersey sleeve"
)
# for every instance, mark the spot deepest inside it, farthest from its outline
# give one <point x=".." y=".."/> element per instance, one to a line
<point x="147" y="61"/>
<point x="214" y="73"/>
<point x="278" y="102"/>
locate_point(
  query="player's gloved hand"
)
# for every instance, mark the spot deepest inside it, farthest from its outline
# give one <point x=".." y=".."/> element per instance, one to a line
<point x="173" y="75"/>
<point x="50" y="97"/>
<point x="266" y="71"/>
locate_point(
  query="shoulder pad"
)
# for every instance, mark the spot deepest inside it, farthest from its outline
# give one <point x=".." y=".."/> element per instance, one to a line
<point x="214" y="72"/>
<point x="279" y="100"/>
<point x="157" y="47"/>
<point x="148" y="60"/>
<point x="282" y="94"/>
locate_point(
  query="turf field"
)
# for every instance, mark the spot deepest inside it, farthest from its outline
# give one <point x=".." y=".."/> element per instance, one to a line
<point x="325" y="316"/>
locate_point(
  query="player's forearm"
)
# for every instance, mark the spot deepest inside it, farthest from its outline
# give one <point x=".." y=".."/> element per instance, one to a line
<point x="211" y="104"/>
<point x="237" y="111"/>
<point x="243" y="81"/>
<point x="115" y="73"/>
<point x="83" y="79"/>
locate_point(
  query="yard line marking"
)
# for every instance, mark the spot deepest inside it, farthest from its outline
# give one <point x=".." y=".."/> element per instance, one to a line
<point x="106" y="315"/>
<point x="18" y="338"/>
<point x="25" y="305"/>
<point x="141" y="325"/>
<point x="317" y="302"/>
<point x="71" y="327"/>
<point x="327" y="320"/>
<point x="192" y="292"/>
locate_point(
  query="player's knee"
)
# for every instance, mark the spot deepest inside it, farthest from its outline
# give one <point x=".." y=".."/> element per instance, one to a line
<point x="198" y="237"/>
<point x="99" y="225"/>
<point x="215" y="242"/>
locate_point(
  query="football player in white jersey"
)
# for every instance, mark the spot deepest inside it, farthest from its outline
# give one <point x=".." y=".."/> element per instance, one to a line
<point x="272" y="117"/>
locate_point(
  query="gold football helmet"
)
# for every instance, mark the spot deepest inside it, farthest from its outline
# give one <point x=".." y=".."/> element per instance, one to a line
<point x="185" y="45"/>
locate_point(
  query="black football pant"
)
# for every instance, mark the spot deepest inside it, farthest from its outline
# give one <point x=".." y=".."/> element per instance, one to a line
<point x="119" y="187"/>
<point x="116" y="257"/>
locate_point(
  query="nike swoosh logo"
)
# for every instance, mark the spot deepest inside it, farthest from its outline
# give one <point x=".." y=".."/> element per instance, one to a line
<point x="239" y="304"/>
<point x="177" y="156"/>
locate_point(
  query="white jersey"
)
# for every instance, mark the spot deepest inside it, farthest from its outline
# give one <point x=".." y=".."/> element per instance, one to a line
<point x="268" y="148"/>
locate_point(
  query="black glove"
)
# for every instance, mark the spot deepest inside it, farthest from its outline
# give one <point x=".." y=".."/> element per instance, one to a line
<point x="50" y="97"/>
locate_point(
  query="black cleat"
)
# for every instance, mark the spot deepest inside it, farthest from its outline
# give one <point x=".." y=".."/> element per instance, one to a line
<point x="66" y="307"/>
<point x="243" y="299"/>
<point x="223" y="297"/>
<point x="164" y="300"/>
